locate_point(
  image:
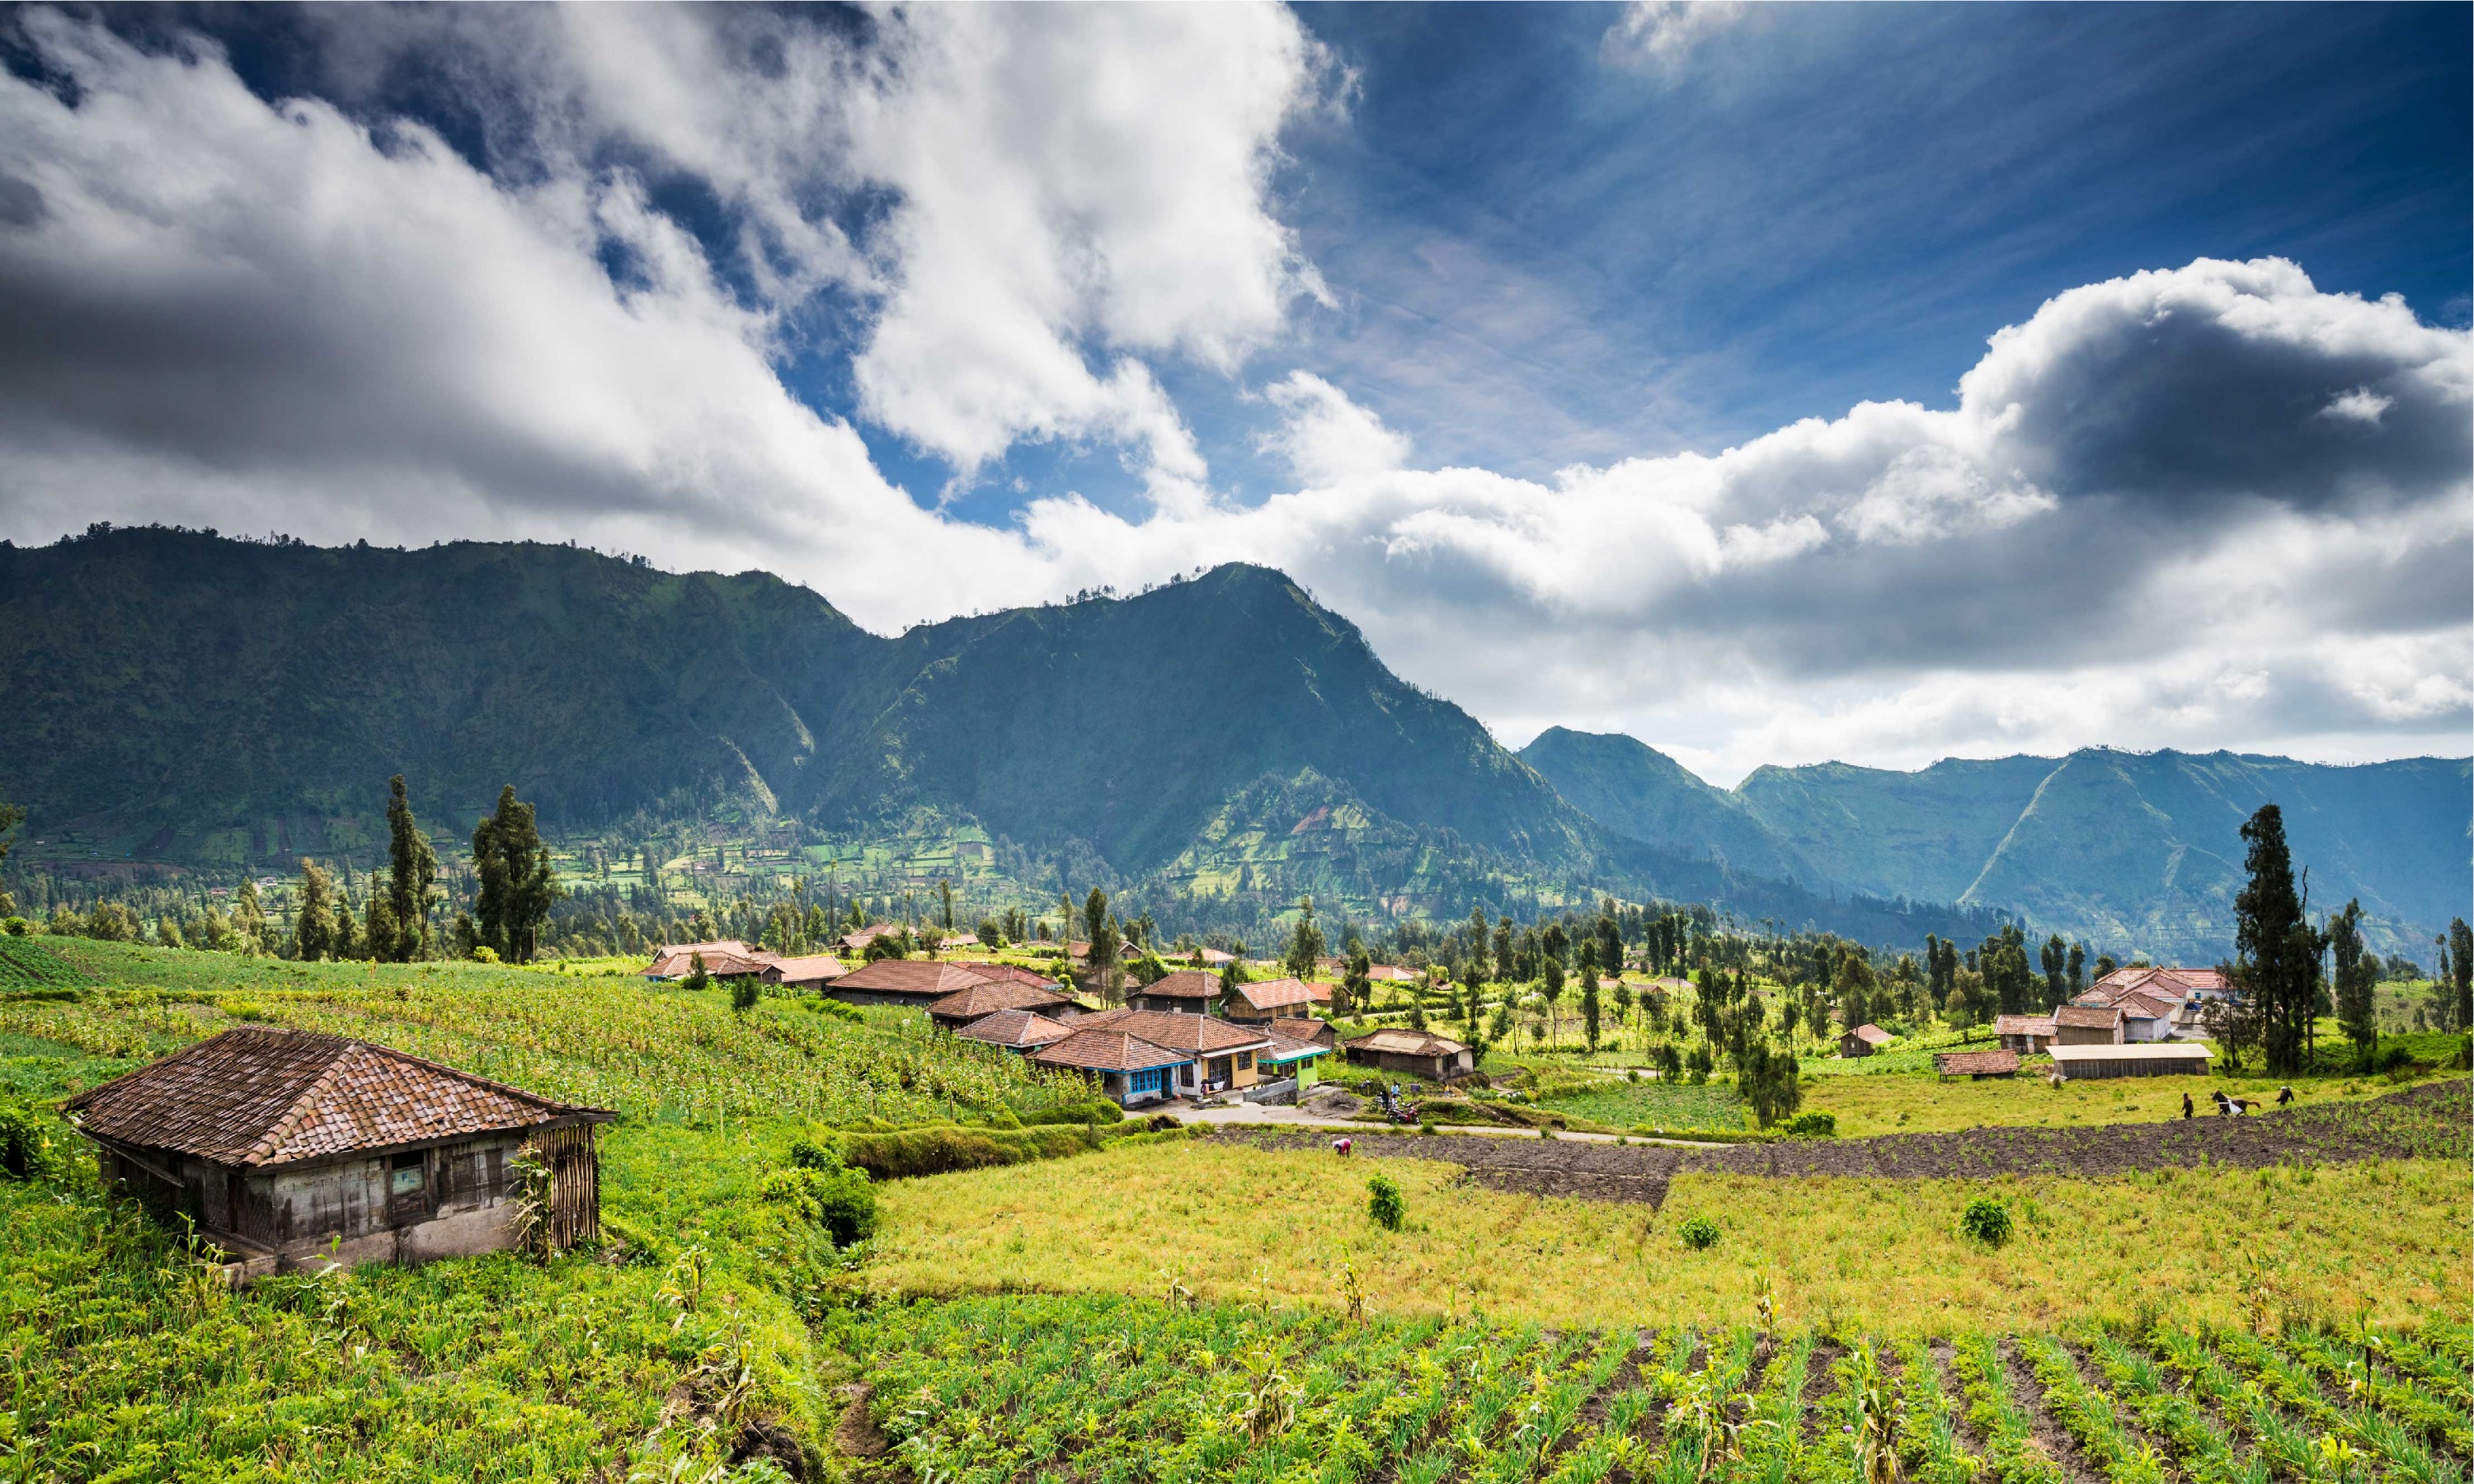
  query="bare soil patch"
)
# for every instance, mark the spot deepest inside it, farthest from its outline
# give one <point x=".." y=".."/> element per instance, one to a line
<point x="2430" y="1121"/>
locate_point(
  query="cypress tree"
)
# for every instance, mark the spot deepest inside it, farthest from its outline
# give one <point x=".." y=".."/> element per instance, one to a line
<point x="313" y="926"/>
<point x="1101" y="930"/>
<point x="11" y="816"/>
<point x="2076" y="970"/>
<point x="412" y="866"/>
<point x="2357" y="974"/>
<point x="2276" y="954"/>
<point x="2461" y="963"/>
<point x="2056" y="957"/>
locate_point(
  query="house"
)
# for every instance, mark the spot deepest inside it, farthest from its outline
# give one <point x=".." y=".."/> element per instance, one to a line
<point x="1289" y="1057"/>
<point x="2088" y="1025"/>
<point x="2165" y="984"/>
<point x="1016" y="1030"/>
<point x="856" y="943"/>
<point x="987" y="997"/>
<point x="2026" y="1034"/>
<point x="724" y="958"/>
<point x="1016" y="973"/>
<point x="811" y="972"/>
<point x="1864" y="1040"/>
<point x="1976" y="1066"/>
<point x="1213" y="958"/>
<point x="917" y="983"/>
<point x="296" y="1148"/>
<point x="1320" y="1032"/>
<point x="1223" y="1053"/>
<point x="1389" y="974"/>
<point x="2144" y="1017"/>
<point x="1127" y="1069"/>
<point x="1418" y="1053"/>
<point x="1193" y="992"/>
<point x="1273" y="999"/>
<point x="2162" y="1059"/>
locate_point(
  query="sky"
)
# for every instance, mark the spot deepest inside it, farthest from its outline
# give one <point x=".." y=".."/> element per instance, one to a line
<point x="1774" y="383"/>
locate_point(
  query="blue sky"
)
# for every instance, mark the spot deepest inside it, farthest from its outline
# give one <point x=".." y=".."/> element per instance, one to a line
<point x="1776" y="383"/>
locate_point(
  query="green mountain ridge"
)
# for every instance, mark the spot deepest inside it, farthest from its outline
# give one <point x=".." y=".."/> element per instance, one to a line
<point x="2131" y="852"/>
<point x="1219" y="746"/>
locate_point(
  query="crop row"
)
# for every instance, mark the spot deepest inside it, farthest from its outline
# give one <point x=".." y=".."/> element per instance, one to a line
<point x="1105" y="1389"/>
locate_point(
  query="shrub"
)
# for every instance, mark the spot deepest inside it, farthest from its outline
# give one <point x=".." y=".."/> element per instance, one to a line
<point x="835" y="1009"/>
<point x="1985" y="1220"/>
<point x="743" y="992"/>
<point x="1097" y="1109"/>
<point x="841" y="1201"/>
<point x="483" y="954"/>
<point x="1813" y="1125"/>
<point x="1384" y="1205"/>
<point x="17" y="928"/>
<point x="1699" y="1234"/>
<point x="25" y="1145"/>
<point x="944" y="1148"/>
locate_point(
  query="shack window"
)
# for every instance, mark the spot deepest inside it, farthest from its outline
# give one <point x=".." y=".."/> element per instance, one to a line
<point x="405" y="1178"/>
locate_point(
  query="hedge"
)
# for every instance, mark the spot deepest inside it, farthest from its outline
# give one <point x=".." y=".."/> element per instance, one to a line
<point x="942" y="1148"/>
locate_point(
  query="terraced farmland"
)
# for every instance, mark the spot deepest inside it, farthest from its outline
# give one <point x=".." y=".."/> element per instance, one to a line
<point x="1121" y="1390"/>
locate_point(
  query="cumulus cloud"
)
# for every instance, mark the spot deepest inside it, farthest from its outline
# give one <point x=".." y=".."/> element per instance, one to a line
<point x="1323" y="437"/>
<point x="1658" y="36"/>
<point x="2202" y="505"/>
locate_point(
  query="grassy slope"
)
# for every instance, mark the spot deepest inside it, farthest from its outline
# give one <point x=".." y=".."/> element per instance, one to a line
<point x="1230" y="1223"/>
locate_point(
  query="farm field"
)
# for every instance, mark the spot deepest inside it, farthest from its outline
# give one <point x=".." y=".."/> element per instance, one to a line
<point x="1115" y="1389"/>
<point x="1229" y="1221"/>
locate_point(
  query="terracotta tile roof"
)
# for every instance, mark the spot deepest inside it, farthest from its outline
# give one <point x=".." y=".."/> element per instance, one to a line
<point x="1405" y="1043"/>
<point x="1199" y="985"/>
<point x="1389" y="973"/>
<point x="1016" y="1028"/>
<point x="1191" y="1033"/>
<point x="1109" y="1051"/>
<point x="2023" y="1025"/>
<point x="1012" y="974"/>
<point x="1872" y="1035"/>
<point x="924" y="978"/>
<point x="2088" y="1017"/>
<point x="1303" y="1029"/>
<point x="1214" y="956"/>
<point x="988" y="997"/>
<point x="811" y="968"/>
<point x="2142" y="1005"/>
<point x="728" y="956"/>
<point x="1976" y="1064"/>
<point x="856" y="942"/>
<point x="1284" y="994"/>
<point x="262" y="1096"/>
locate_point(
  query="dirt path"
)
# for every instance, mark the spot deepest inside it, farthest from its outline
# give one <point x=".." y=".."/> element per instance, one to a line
<point x="2429" y="1121"/>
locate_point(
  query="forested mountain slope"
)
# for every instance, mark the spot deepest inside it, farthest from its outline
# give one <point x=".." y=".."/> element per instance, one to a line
<point x="2133" y="851"/>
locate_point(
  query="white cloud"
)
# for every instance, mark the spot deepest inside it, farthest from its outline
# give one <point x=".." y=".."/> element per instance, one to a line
<point x="2140" y="524"/>
<point x="2361" y="404"/>
<point x="1323" y="437"/>
<point x="1660" y="36"/>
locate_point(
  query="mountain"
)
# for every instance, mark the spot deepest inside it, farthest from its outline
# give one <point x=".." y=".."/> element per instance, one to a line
<point x="172" y="699"/>
<point x="2130" y="851"/>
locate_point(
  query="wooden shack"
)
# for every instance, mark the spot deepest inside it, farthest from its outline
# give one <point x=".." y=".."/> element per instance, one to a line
<point x="1418" y="1053"/>
<point x="1863" y="1040"/>
<point x="2153" y="1059"/>
<point x="1976" y="1066"/>
<point x="288" y="1147"/>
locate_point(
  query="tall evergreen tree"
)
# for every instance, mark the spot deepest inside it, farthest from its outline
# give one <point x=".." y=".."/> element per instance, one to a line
<point x="516" y="884"/>
<point x="412" y="869"/>
<point x="1101" y="929"/>
<point x="2056" y="957"/>
<point x="2276" y="953"/>
<point x="313" y="923"/>
<point x="1506" y="963"/>
<point x="1305" y="943"/>
<point x="2461" y="965"/>
<point x="2356" y="976"/>
<point x="2076" y="970"/>
<point x="1610" y="947"/>
<point x="1356" y="985"/>
<point x="12" y="815"/>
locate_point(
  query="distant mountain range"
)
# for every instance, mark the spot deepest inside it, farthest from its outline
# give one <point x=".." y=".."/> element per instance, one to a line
<point x="1215" y="748"/>
<point x="2138" y="851"/>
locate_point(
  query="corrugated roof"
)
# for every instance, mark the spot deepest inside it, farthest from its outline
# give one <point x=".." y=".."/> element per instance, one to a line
<point x="2088" y="1017"/>
<point x="1401" y="1043"/>
<point x="2023" y="1025"/>
<point x="1976" y="1064"/>
<point x="262" y="1095"/>
<point x="1288" y="1048"/>
<point x="1109" y="1051"/>
<point x="2133" y="1051"/>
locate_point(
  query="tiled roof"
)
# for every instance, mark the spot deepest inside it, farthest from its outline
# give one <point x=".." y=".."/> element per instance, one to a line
<point x="808" y="968"/>
<point x="1301" y="1029"/>
<point x="2088" y="1017"/>
<point x="1976" y="1064"/>
<point x="1109" y="1051"/>
<point x="1191" y="1033"/>
<point x="986" y="998"/>
<point x="1013" y="974"/>
<point x="1015" y="1028"/>
<point x="1872" y="1035"/>
<point x="728" y="956"/>
<point x="2141" y="1004"/>
<point x="261" y="1096"/>
<point x="858" y="941"/>
<point x="2023" y="1025"/>
<point x="1284" y="994"/>
<point x="1404" y="1042"/>
<point x="925" y="979"/>
<point x="1197" y="984"/>
<point x="1215" y="956"/>
<point x="1288" y="1048"/>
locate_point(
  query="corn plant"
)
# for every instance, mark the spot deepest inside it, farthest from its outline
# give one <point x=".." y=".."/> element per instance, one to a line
<point x="2088" y="1415"/>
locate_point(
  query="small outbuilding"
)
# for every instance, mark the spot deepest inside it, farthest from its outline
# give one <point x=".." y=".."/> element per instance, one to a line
<point x="2148" y="1059"/>
<point x="812" y="972"/>
<point x="1976" y="1066"/>
<point x="2026" y="1034"/>
<point x="1864" y="1040"/>
<point x="1418" y="1053"/>
<point x="2088" y="1025"/>
<point x="1274" y="999"/>
<point x="293" y="1147"/>
<point x="1193" y="992"/>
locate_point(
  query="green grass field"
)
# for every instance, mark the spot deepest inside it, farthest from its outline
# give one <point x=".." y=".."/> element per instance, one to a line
<point x="1182" y="1309"/>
